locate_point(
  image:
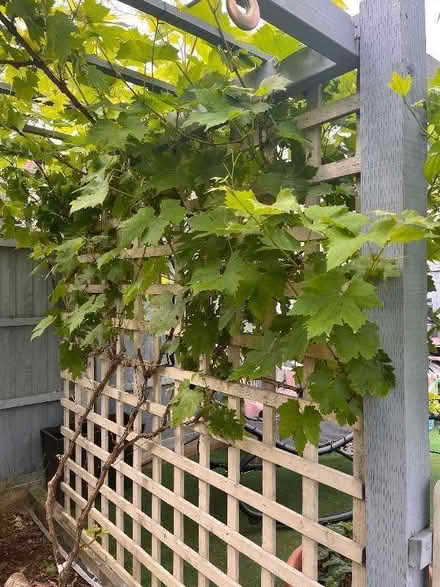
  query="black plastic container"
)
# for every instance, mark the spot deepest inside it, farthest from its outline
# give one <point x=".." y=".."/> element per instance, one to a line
<point x="52" y="444"/>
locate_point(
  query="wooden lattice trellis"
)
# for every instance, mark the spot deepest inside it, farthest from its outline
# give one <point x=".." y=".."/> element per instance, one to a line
<point x="124" y="550"/>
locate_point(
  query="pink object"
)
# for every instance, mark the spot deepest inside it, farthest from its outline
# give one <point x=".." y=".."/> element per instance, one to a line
<point x="252" y="409"/>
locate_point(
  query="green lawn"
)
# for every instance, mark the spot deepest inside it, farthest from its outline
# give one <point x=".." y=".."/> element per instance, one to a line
<point x="289" y="494"/>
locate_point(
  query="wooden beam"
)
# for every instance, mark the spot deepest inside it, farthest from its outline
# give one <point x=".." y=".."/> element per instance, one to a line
<point x="320" y="25"/>
<point x="30" y="400"/>
<point x="130" y="76"/>
<point x="304" y="69"/>
<point x="393" y="151"/>
<point x="187" y="22"/>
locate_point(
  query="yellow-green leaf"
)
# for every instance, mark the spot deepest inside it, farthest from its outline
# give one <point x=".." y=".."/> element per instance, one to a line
<point x="341" y="4"/>
<point x="401" y="85"/>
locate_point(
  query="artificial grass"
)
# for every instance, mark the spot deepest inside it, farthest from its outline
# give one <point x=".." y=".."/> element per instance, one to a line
<point x="288" y="493"/>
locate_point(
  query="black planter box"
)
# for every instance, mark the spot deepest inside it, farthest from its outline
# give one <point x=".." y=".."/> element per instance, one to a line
<point x="52" y="444"/>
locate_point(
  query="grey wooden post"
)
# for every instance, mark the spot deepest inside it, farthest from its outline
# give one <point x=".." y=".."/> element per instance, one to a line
<point x="392" y="154"/>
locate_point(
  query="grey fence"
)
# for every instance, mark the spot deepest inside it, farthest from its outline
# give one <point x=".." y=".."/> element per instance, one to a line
<point x="29" y="373"/>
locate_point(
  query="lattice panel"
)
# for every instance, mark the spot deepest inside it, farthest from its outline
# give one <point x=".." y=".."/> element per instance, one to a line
<point x="146" y="519"/>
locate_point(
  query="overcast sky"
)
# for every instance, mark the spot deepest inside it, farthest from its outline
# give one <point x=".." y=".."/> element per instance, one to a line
<point x="432" y="26"/>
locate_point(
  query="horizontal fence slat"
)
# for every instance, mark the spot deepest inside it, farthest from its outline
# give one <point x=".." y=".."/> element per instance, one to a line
<point x="325" y="475"/>
<point x="240" y="390"/>
<point x="337" y="170"/>
<point x="113" y="393"/>
<point x="191" y="556"/>
<point x="313" y="530"/>
<point x="229" y="536"/>
<point x="329" y="112"/>
<point x="10" y="243"/>
<point x="20" y="321"/>
<point x="30" y="400"/>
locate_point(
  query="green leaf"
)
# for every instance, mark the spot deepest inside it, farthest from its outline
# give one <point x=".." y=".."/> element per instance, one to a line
<point x="303" y="426"/>
<point x="108" y="256"/>
<point x="343" y="246"/>
<point x="42" y="326"/>
<point x="77" y="317"/>
<point x="144" y="51"/>
<point x="59" y="30"/>
<point x="26" y="88"/>
<point x="94" y="11"/>
<point x="223" y="422"/>
<point x="186" y="404"/>
<point x="260" y="362"/>
<point x="94" y="196"/>
<point x="288" y="129"/>
<point x="215" y="118"/>
<point x="432" y="167"/>
<point x="172" y="211"/>
<point x="136" y="226"/>
<point x="400" y="85"/>
<point x="246" y="203"/>
<point x="271" y="84"/>
<point x="294" y="344"/>
<point x="166" y="311"/>
<point x="328" y="302"/>
<point x="350" y="345"/>
<point x="374" y="377"/>
<point x="332" y="391"/>
<point x="96" y="186"/>
<point x="210" y="277"/>
<point x="149" y="274"/>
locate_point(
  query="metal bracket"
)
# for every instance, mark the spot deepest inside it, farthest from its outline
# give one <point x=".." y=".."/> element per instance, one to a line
<point x="420" y="549"/>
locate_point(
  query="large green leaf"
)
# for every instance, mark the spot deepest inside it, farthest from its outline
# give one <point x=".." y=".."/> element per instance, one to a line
<point x="186" y="404"/>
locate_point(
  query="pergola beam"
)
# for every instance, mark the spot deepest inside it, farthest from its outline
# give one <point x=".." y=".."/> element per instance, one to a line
<point x="304" y="69"/>
<point x="191" y="24"/>
<point x="130" y="76"/>
<point x="320" y="25"/>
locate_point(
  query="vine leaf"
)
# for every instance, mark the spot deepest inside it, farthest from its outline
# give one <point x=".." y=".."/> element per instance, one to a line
<point x="271" y="84"/>
<point x="59" y="31"/>
<point x="210" y="277"/>
<point x="186" y="404"/>
<point x="349" y="345"/>
<point x="246" y="203"/>
<point x="166" y="312"/>
<point x="401" y="85"/>
<point x="135" y="226"/>
<point x="303" y="426"/>
<point x="42" y="326"/>
<point x="372" y="377"/>
<point x="329" y="301"/>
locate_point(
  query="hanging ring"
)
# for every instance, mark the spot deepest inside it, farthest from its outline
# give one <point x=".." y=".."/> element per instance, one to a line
<point x="247" y="21"/>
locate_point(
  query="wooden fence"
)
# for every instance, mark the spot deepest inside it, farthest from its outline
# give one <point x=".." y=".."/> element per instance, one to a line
<point x="139" y="548"/>
<point x="30" y="383"/>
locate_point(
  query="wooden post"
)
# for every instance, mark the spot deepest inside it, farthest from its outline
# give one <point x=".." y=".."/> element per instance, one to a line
<point x="392" y="154"/>
<point x="436" y="536"/>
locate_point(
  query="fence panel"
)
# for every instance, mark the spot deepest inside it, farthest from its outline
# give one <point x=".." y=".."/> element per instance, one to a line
<point x="148" y="514"/>
<point x="30" y="383"/>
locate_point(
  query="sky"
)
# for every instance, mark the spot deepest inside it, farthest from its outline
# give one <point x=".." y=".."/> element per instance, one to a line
<point x="432" y="26"/>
